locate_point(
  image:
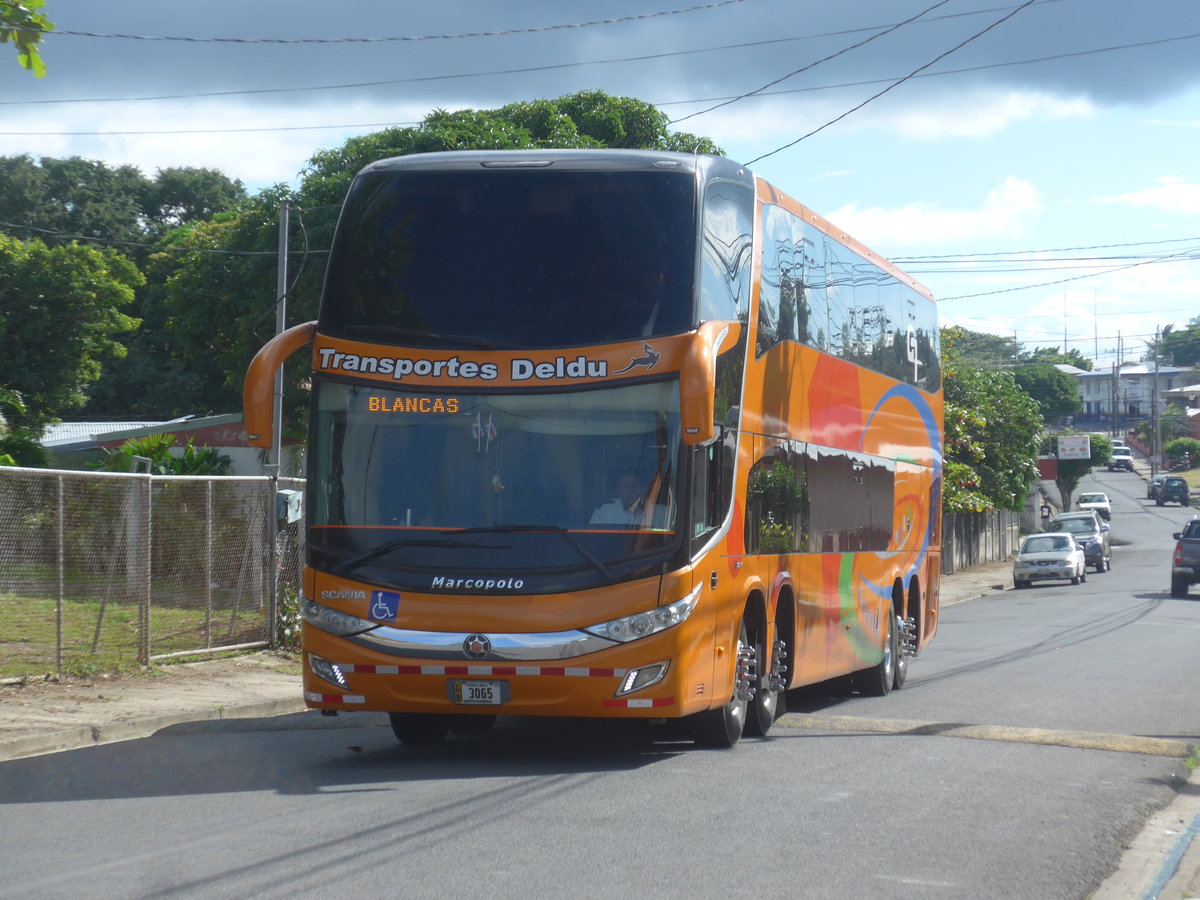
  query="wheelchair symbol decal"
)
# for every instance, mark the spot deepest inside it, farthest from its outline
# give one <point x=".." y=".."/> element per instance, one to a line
<point x="385" y="605"/>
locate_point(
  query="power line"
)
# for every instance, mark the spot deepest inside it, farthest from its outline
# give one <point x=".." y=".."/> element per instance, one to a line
<point x="404" y="38"/>
<point x="813" y="64"/>
<point x="282" y="128"/>
<point x="901" y="260"/>
<point x="895" y="84"/>
<point x="612" y="61"/>
<point x="1173" y="257"/>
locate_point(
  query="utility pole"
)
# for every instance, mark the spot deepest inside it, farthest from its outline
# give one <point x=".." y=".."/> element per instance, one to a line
<point x="281" y="273"/>
<point x="1155" y="436"/>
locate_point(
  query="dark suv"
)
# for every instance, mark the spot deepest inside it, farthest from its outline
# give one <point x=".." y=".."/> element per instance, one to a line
<point x="1173" y="490"/>
<point x="1090" y="533"/>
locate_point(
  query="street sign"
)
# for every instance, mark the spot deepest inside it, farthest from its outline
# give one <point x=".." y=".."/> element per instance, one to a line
<point x="1074" y="446"/>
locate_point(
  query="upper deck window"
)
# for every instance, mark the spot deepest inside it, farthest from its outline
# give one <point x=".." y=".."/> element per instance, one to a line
<point x="513" y="257"/>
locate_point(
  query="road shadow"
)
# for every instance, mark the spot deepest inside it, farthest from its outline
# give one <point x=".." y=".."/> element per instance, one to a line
<point x="284" y="754"/>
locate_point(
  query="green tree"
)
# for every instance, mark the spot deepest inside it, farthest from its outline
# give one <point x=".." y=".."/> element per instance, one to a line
<point x="1054" y="356"/>
<point x="60" y="200"/>
<point x="1054" y="391"/>
<point x="1071" y="471"/>
<point x="1183" y="447"/>
<point x="1172" y="423"/>
<point x="157" y="449"/>
<point x="180" y="195"/>
<point x="992" y="429"/>
<point x="60" y="315"/>
<point x="23" y="25"/>
<point x="18" y="446"/>
<point x="1182" y="348"/>
<point x="982" y="351"/>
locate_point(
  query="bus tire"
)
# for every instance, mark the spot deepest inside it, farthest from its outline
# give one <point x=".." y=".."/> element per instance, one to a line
<point x="877" y="680"/>
<point x="419" y="728"/>
<point x="763" y="710"/>
<point x="721" y="729"/>
<point x="902" y="658"/>
<point x="471" y="724"/>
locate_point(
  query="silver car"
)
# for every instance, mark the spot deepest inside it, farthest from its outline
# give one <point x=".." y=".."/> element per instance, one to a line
<point x="1049" y="556"/>
<point x="1091" y="532"/>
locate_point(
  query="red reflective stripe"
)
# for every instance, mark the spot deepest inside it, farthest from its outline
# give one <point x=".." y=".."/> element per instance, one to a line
<point x="482" y="670"/>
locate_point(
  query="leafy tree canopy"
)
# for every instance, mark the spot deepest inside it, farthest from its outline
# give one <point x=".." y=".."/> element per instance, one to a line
<point x="60" y="316"/>
<point x="22" y="24"/>
<point x="60" y="200"/>
<point x="1054" y="356"/>
<point x="992" y="429"/>
<point x="1054" y="391"/>
<point x="18" y="446"/>
<point x="1182" y="348"/>
<point x="981" y="351"/>
<point x="157" y="449"/>
<point x="1071" y="471"/>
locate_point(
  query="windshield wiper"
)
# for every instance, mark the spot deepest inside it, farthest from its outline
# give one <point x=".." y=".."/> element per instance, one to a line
<point x="389" y="546"/>
<point x="556" y="529"/>
<point x="434" y="337"/>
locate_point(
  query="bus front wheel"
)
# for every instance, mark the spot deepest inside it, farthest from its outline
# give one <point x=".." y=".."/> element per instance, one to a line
<point x="419" y="728"/>
<point x="722" y="728"/>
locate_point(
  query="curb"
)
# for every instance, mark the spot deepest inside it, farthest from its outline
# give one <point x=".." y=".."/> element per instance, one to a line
<point x="132" y="729"/>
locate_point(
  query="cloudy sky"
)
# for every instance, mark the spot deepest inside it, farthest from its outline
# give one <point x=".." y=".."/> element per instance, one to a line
<point x="1034" y="163"/>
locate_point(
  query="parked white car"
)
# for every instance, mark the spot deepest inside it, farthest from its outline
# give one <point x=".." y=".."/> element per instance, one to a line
<point x="1097" y="500"/>
<point x="1049" y="556"/>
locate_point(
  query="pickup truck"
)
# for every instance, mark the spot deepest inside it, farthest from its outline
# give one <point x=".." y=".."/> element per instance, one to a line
<point x="1185" y="564"/>
<point x="1122" y="458"/>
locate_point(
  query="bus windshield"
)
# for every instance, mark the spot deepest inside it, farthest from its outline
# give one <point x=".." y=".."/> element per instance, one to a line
<point x="506" y="257"/>
<point x="505" y="474"/>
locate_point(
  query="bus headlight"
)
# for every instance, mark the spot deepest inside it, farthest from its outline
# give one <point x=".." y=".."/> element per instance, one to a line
<point x="642" y="677"/>
<point x="336" y="623"/>
<point x="644" y="624"/>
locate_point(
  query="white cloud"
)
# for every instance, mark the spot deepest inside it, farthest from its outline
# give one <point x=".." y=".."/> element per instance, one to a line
<point x="978" y="114"/>
<point x="1172" y="195"/>
<point x="209" y="134"/>
<point x="1006" y="213"/>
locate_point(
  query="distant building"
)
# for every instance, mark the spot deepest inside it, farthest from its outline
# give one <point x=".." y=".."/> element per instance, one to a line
<point x="1114" y="398"/>
<point x="80" y="445"/>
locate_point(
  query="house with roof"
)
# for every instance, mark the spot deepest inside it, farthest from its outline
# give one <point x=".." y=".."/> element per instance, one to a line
<point x="1116" y="397"/>
<point x="81" y="445"/>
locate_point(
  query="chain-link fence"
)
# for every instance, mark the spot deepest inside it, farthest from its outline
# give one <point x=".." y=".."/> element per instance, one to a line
<point x="104" y="571"/>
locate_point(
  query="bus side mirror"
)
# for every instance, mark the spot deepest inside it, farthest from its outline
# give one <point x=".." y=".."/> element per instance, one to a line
<point x="258" y="391"/>
<point x="697" y="382"/>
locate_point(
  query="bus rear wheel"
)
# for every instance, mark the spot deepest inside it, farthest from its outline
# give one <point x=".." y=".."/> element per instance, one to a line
<point x="902" y="657"/>
<point x="877" y="680"/>
<point x="764" y="709"/>
<point x="722" y="728"/>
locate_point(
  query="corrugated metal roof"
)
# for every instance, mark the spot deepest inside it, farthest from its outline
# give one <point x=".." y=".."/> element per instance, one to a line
<point x="61" y="433"/>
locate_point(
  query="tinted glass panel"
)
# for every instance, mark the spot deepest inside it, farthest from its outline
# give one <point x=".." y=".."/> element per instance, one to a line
<point x="817" y="291"/>
<point x="532" y="258"/>
<point x="425" y="469"/>
<point x="809" y="499"/>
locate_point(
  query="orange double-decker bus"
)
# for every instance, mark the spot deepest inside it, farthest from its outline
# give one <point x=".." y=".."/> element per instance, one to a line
<point x="608" y="434"/>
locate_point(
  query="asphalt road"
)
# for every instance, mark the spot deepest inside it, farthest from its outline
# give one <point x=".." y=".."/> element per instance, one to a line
<point x="1034" y="738"/>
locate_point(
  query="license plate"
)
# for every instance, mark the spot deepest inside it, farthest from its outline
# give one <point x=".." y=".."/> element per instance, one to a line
<point x="480" y="693"/>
